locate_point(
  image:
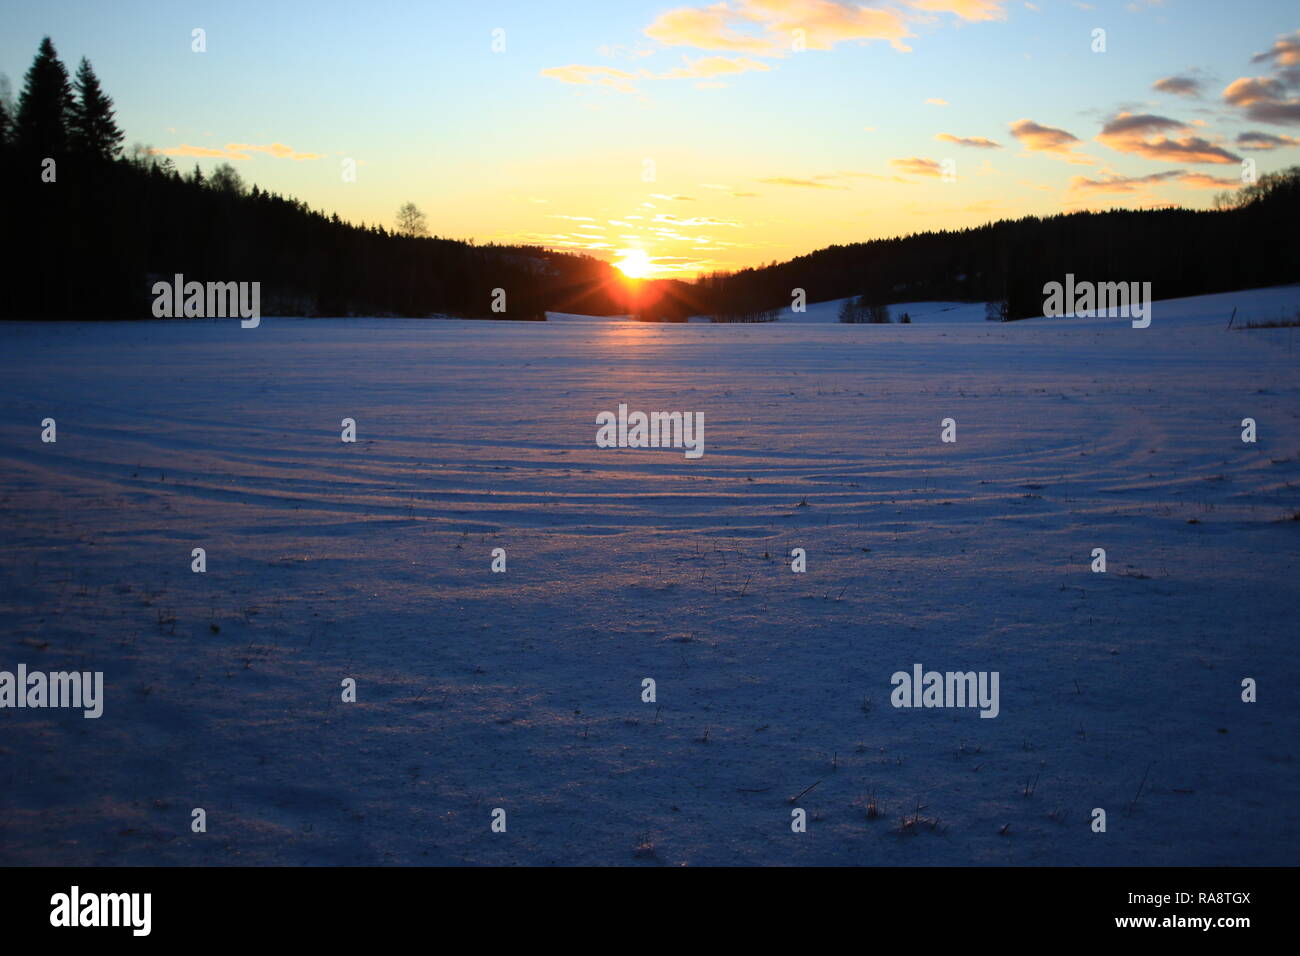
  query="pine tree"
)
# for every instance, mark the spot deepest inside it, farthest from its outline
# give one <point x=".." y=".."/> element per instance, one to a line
<point x="45" y="106"/>
<point x="93" y="131"/>
<point x="6" y="114"/>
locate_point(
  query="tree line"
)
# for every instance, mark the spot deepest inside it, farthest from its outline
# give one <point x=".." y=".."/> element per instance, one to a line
<point x="94" y="226"/>
<point x="1248" y="240"/>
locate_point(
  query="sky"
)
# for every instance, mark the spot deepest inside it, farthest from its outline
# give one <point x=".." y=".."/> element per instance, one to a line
<point x="683" y="138"/>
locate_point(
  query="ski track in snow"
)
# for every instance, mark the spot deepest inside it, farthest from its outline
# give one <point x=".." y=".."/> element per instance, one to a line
<point x="522" y="690"/>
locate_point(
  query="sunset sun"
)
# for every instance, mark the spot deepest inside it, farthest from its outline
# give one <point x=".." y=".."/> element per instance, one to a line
<point x="635" y="264"/>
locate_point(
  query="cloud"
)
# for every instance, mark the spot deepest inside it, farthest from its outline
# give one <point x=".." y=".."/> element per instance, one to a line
<point x="185" y="149"/>
<point x="239" y="151"/>
<point x="767" y="27"/>
<point x="1265" y="99"/>
<point x="1056" y="143"/>
<point x="936" y="101"/>
<point x="1110" y="183"/>
<point x="709" y="29"/>
<point x="664" y="217"/>
<point x="916" y="166"/>
<point x="1284" y="51"/>
<point x="977" y="141"/>
<point x="714" y="66"/>
<point x="676" y="198"/>
<point x="1202" y="181"/>
<point x="967" y="9"/>
<point x="789" y="181"/>
<point x="622" y="81"/>
<point x="1257" y="141"/>
<point x="1135" y="133"/>
<point x="1178" y="85"/>
<point x="604" y="76"/>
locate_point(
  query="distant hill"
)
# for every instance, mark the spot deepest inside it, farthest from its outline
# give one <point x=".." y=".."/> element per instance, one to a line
<point x="1252" y="241"/>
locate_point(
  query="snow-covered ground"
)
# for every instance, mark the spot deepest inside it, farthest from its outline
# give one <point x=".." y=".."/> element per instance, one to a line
<point x="523" y="690"/>
<point x="927" y="312"/>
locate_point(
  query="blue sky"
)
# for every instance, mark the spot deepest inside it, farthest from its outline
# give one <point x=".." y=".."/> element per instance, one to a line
<point x="758" y="150"/>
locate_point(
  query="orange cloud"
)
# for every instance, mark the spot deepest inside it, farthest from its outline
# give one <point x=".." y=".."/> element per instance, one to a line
<point x="789" y="181"/>
<point x="1264" y="99"/>
<point x="977" y="141"/>
<point x="966" y="9"/>
<point x="917" y="166"/>
<point x="1133" y="133"/>
<point x="710" y="29"/>
<point x="1285" y="51"/>
<point x="767" y="27"/>
<point x="1257" y="141"/>
<point x="1110" y="183"/>
<point x="605" y="76"/>
<point x="1056" y="143"/>
<point x="714" y="66"/>
<point x="237" y="151"/>
<point x="1202" y="181"/>
<point x="278" y="150"/>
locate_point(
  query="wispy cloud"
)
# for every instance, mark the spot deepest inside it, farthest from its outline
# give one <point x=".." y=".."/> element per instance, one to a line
<point x="967" y="9"/>
<point x="1111" y="183"/>
<point x="792" y="181"/>
<point x="664" y="217"/>
<point x="917" y="166"/>
<point x="1204" y="181"/>
<point x="609" y="77"/>
<point x="238" y="151"/>
<point x="978" y="142"/>
<point x="710" y="66"/>
<point x="1257" y="141"/>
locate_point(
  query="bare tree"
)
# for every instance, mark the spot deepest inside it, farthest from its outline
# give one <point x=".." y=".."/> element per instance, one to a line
<point x="226" y="178"/>
<point x="410" y="221"/>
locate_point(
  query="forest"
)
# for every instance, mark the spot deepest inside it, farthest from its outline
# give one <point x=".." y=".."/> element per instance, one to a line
<point x="99" y="225"/>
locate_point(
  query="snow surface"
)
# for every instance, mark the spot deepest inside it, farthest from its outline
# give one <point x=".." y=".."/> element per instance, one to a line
<point x="522" y="690"/>
<point x="919" y="312"/>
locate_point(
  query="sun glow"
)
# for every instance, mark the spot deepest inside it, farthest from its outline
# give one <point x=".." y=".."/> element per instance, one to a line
<point x="635" y="264"/>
